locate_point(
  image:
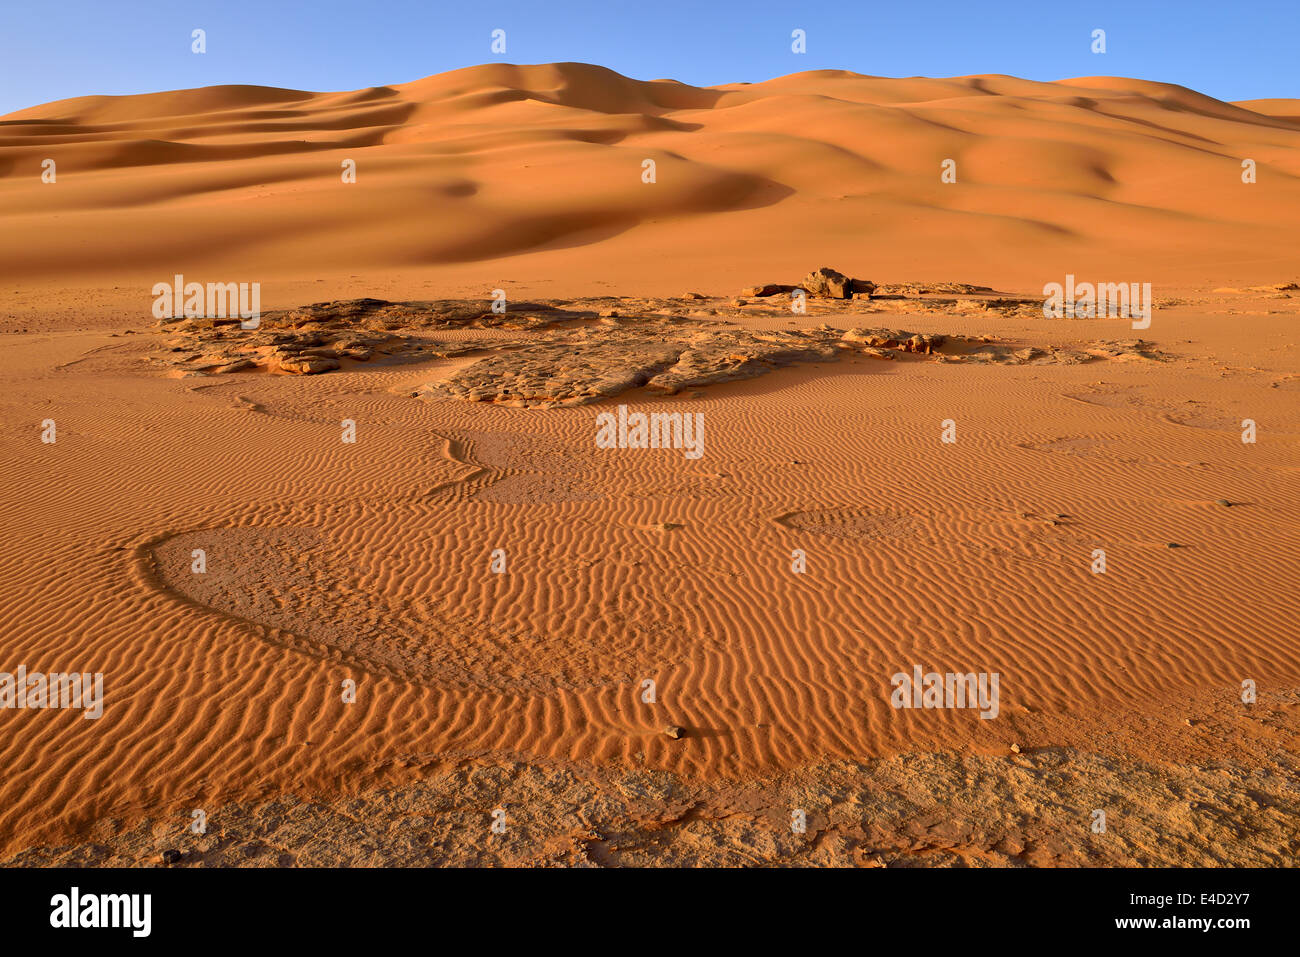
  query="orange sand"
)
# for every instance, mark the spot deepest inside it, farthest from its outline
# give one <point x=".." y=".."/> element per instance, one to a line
<point x="965" y="557"/>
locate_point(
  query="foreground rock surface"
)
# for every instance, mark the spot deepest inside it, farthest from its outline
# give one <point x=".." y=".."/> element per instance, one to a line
<point x="572" y="352"/>
<point x="946" y="809"/>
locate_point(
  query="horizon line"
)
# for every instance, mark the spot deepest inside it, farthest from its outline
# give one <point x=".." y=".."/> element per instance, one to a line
<point x="583" y="63"/>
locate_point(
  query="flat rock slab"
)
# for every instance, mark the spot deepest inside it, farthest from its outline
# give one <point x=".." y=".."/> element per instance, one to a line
<point x="573" y="352"/>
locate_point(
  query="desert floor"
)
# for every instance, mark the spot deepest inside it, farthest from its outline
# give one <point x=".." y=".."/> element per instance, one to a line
<point x="369" y="561"/>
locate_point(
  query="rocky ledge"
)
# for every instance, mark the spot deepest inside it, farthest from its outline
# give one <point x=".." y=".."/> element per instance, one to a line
<point x="571" y="352"/>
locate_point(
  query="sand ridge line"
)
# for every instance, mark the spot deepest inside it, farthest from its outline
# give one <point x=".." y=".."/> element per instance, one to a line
<point x="289" y="588"/>
<point x="558" y="188"/>
<point x="145" y="565"/>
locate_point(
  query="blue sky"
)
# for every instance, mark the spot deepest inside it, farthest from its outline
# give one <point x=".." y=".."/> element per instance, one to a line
<point x="52" y="50"/>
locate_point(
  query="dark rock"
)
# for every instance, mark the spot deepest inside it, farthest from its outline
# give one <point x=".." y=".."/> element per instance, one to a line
<point x="827" y="283"/>
<point x="767" y="289"/>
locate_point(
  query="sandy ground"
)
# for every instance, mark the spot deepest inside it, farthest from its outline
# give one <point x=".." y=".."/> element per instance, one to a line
<point x="329" y="561"/>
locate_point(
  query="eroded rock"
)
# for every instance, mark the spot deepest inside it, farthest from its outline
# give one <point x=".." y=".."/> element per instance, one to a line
<point x="828" y="283"/>
<point x="767" y="289"/>
<point x="578" y="351"/>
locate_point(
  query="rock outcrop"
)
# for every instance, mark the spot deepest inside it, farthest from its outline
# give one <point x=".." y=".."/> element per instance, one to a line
<point x="767" y="289"/>
<point x="823" y="283"/>
<point x="828" y="284"/>
<point x="580" y="351"/>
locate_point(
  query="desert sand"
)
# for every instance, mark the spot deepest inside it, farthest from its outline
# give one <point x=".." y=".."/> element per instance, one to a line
<point x="330" y="561"/>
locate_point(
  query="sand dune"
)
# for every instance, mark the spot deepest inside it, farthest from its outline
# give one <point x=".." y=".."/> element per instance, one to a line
<point x="329" y="561"/>
<point x="544" y="163"/>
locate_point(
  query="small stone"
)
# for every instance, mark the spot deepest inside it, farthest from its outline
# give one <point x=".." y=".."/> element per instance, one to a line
<point x="307" y="365"/>
<point x="1015" y="749"/>
<point x="1223" y="501"/>
<point x="1172" y="545"/>
<point x="674" y="732"/>
<point x="1188" y="722"/>
<point x="171" y="856"/>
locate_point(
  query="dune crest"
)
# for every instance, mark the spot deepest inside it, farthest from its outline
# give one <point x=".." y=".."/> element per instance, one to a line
<point x="545" y="163"/>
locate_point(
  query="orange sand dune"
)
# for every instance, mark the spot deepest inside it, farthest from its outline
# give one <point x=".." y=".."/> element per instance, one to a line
<point x="328" y="561"/>
<point x="543" y="164"/>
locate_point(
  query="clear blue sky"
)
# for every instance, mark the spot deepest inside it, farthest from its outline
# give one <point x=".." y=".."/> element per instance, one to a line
<point x="52" y="49"/>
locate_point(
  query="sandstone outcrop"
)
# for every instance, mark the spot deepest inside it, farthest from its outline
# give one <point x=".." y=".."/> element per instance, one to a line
<point x="823" y="283"/>
<point x="574" y="352"/>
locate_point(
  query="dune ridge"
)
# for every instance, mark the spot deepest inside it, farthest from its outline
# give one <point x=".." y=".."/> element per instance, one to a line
<point x="544" y="163"/>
